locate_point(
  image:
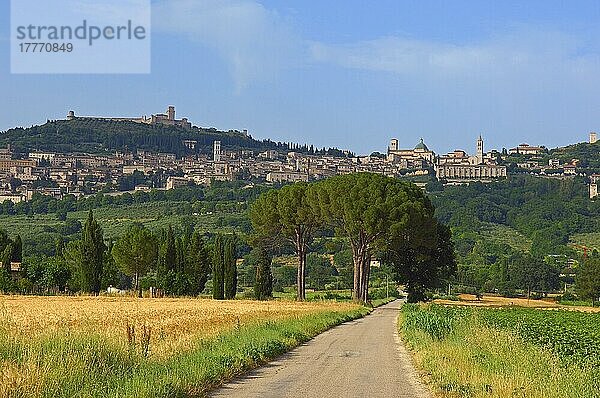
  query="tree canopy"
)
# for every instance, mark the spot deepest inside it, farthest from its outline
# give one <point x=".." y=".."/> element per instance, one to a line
<point x="588" y="279"/>
<point x="370" y="210"/>
<point x="288" y="215"/>
<point x="135" y="253"/>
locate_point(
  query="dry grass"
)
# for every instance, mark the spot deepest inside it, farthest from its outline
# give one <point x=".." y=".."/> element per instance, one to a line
<point x="175" y="324"/>
<point x="59" y="347"/>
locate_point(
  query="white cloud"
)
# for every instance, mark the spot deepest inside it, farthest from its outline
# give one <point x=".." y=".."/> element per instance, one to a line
<point x="520" y="53"/>
<point x="254" y="41"/>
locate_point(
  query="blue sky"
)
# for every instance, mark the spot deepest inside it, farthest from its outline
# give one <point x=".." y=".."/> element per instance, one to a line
<point x="351" y="74"/>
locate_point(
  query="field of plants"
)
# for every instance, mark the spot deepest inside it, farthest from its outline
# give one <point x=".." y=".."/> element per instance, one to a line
<point x="498" y="352"/>
<point x="573" y="336"/>
<point x="88" y="346"/>
<point x="40" y="231"/>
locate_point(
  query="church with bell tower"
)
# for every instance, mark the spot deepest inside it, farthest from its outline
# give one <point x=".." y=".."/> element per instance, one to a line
<point x="480" y="150"/>
<point x="458" y="166"/>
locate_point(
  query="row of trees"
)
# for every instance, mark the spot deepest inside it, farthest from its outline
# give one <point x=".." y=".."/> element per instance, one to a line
<point x="139" y="259"/>
<point x="510" y="273"/>
<point x="380" y="216"/>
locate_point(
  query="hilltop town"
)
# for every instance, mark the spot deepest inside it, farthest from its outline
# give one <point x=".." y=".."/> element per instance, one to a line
<point x="78" y="173"/>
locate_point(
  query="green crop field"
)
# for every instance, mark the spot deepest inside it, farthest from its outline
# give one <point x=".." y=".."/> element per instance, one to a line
<point x="571" y="335"/>
<point x="487" y="352"/>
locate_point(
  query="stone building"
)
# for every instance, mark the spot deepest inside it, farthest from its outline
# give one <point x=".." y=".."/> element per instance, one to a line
<point x="418" y="154"/>
<point x="167" y="118"/>
<point x="594" y="178"/>
<point x="459" y="166"/>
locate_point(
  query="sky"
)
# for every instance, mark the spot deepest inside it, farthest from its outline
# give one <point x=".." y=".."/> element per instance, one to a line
<point x="351" y="74"/>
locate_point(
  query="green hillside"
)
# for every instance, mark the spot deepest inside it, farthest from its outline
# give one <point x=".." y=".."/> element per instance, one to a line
<point x="591" y="240"/>
<point x="102" y="136"/>
<point x="518" y="232"/>
<point x="522" y="213"/>
<point x="587" y="154"/>
<point x="500" y="233"/>
<point x="41" y="231"/>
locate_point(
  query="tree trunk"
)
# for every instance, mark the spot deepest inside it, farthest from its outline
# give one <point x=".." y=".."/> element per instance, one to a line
<point x="359" y="252"/>
<point x="356" y="255"/>
<point x="303" y="275"/>
<point x="300" y="279"/>
<point x="136" y="282"/>
<point x="361" y="257"/>
<point x="366" y="272"/>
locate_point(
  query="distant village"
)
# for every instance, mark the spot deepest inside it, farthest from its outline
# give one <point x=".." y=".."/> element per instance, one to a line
<point x="59" y="174"/>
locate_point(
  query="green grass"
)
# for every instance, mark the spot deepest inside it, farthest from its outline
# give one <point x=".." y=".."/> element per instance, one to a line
<point x="380" y="302"/>
<point x="577" y="303"/>
<point x="377" y="295"/>
<point x="503" y="353"/>
<point x="499" y="233"/>
<point x="40" y="231"/>
<point x="88" y="366"/>
<point x="289" y="293"/>
<point x="115" y="220"/>
<point x="591" y="240"/>
<point x="28" y="225"/>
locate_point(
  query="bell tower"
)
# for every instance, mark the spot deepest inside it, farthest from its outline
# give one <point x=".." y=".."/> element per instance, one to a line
<point x="480" y="150"/>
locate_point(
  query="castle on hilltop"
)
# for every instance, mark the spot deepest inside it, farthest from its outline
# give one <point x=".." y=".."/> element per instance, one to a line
<point x="167" y="118"/>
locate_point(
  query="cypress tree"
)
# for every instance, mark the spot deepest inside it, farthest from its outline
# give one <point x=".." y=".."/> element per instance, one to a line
<point x="263" y="287"/>
<point x="170" y="251"/>
<point x="6" y="281"/>
<point x="59" y="247"/>
<point x="167" y="261"/>
<point x="180" y="254"/>
<point x="6" y="256"/>
<point x="198" y="263"/>
<point x="230" y="269"/>
<point x="218" y="269"/>
<point x="92" y="255"/>
<point x="17" y="254"/>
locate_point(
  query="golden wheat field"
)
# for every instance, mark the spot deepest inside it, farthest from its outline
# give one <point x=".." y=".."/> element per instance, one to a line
<point x="174" y="323"/>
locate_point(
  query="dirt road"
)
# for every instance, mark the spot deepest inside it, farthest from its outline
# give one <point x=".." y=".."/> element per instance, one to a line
<point x="363" y="358"/>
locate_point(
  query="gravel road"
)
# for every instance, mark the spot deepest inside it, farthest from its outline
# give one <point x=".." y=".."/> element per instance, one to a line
<point x="362" y="358"/>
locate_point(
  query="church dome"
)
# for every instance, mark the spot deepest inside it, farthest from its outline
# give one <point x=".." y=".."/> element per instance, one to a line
<point x="421" y="145"/>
